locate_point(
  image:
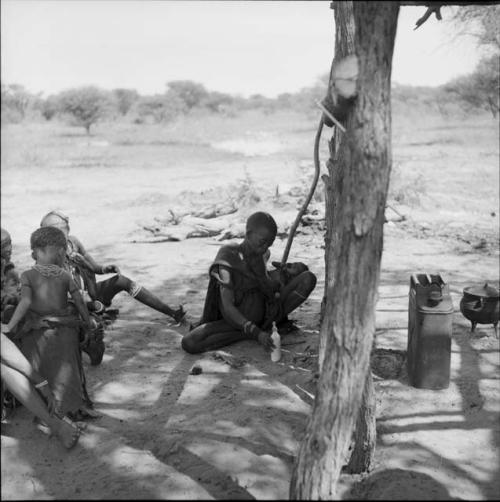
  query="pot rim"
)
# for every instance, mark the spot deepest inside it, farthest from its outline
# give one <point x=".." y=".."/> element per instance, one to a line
<point x="484" y="291"/>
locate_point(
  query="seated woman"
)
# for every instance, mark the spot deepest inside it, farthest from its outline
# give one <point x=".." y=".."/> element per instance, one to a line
<point x="49" y="334"/>
<point x="243" y="299"/>
<point x="32" y="390"/>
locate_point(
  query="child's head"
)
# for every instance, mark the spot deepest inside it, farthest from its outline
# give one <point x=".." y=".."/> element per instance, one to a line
<point x="48" y="245"/>
<point x="6" y="245"/>
<point x="56" y="219"/>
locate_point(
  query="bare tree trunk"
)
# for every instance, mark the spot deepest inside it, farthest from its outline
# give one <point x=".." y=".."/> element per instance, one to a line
<point x="365" y="432"/>
<point x="360" y="192"/>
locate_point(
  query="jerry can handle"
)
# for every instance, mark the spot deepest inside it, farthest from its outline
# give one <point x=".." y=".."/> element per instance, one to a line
<point x="435" y="295"/>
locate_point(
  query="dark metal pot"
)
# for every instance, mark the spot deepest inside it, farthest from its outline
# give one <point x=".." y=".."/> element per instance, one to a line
<point x="481" y="305"/>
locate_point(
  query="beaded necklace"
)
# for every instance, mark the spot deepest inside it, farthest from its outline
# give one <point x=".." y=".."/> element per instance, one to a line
<point x="48" y="270"/>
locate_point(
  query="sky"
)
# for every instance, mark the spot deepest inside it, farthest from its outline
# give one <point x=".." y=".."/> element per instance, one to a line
<point x="239" y="47"/>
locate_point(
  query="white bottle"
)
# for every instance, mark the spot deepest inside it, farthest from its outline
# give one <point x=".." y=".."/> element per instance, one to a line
<point x="276" y="352"/>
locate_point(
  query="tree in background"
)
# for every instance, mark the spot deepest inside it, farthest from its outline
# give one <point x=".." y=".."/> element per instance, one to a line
<point x="125" y="98"/>
<point x="86" y="105"/>
<point x="49" y="107"/>
<point x="15" y="102"/>
<point x="480" y="21"/>
<point x="192" y="94"/>
<point x="218" y="102"/>
<point x="480" y="89"/>
<point x="159" y="108"/>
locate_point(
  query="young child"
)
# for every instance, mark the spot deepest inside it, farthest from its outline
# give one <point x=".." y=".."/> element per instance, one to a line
<point x="49" y="335"/>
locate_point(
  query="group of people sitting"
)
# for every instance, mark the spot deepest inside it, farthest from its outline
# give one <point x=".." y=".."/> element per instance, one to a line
<point x="56" y="310"/>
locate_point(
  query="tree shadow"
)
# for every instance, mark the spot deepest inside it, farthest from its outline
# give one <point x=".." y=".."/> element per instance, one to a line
<point x="398" y="484"/>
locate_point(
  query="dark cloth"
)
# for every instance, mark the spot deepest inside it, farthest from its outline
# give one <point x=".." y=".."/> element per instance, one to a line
<point x="85" y="277"/>
<point x="10" y="290"/>
<point x="80" y="269"/>
<point x="50" y="342"/>
<point x="253" y="290"/>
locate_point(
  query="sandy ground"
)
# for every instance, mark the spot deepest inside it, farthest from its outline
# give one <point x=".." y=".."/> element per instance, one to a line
<point x="232" y="431"/>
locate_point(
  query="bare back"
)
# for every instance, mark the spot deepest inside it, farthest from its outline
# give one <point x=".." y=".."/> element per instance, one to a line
<point x="49" y="293"/>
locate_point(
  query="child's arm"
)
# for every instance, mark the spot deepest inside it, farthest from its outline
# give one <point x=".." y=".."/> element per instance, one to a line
<point x="22" y="307"/>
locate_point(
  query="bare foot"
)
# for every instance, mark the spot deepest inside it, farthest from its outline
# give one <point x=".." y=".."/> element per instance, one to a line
<point x="179" y="314"/>
<point x="66" y="431"/>
<point x="84" y="413"/>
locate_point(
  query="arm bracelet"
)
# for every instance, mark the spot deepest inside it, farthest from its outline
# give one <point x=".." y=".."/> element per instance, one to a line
<point x="41" y="384"/>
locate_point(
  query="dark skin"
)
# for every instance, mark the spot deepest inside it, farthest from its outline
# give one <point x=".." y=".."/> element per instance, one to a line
<point x="49" y="295"/>
<point x="20" y="378"/>
<point x="10" y="279"/>
<point x="292" y="286"/>
<point x="257" y="243"/>
<point x="290" y="292"/>
<point x="121" y="283"/>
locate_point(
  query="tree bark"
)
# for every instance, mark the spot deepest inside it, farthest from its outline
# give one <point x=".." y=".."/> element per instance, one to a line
<point x="365" y="432"/>
<point x="360" y="193"/>
<point x="344" y="45"/>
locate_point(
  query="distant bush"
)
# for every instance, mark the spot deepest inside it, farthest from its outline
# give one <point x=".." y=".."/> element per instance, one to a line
<point x="17" y="102"/>
<point x="480" y="89"/>
<point x="218" y="102"/>
<point x="49" y="107"/>
<point x="85" y="105"/>
<point x="158" y="108"/>
<point x="406" y="189"/>
<point x="192" y="94"/>
<point x="125" y="98"/>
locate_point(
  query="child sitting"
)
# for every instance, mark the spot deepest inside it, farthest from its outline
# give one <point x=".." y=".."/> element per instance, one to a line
<point x="49" y="335"/>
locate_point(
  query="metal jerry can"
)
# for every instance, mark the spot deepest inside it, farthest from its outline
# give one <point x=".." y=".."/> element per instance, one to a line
<point x="430" y="312"/>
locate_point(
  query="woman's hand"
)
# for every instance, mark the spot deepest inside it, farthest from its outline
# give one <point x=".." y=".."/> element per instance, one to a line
<point x="265" y="340"/>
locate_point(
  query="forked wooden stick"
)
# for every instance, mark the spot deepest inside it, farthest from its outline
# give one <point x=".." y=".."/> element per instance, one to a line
<point x="330" y="116"/>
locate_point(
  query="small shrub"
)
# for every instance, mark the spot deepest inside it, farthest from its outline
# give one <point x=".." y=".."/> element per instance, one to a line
<point x="406" y="188"/>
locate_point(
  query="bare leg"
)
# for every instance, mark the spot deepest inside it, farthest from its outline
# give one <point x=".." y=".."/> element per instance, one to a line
<point x="111" y="287"/>
<point x="297" y="291"/>
<point x="211" y="336"/>
<point x="13" y="357"/>
<point x="23" y="390"/>
<point x="147" y="298"/>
